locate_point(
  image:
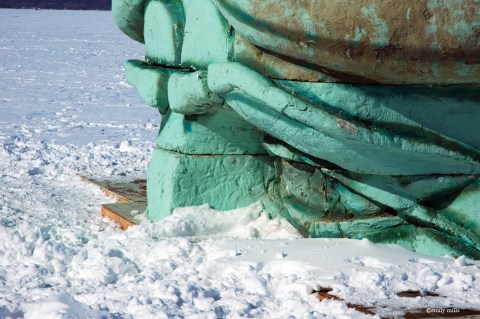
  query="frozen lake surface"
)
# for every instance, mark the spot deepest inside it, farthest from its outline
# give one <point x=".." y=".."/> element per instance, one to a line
<point x="66" y="110"/>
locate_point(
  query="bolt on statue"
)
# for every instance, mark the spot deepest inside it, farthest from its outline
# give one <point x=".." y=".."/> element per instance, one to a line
<point x="349" y="118"/>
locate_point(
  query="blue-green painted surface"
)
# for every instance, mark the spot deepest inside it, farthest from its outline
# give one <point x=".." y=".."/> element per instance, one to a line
<point x="188" y="93"/>
<point x="186" y="180"/>
<point x="208" y="37"/>
<point x="164" y="32"/>
<point x="150" y="81"/>
<point x="219" y="131"/>
<point x="355" y="144"/>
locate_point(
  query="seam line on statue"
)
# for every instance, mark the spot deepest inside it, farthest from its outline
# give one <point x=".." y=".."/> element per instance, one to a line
<point x="209" y="154"/>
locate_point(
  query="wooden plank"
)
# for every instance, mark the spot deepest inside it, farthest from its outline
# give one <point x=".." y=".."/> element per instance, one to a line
<point x="125" y="214"/>
<point x="124" y="192"/>
<point x="131" y="200"/>
<point x="324" y="293"/>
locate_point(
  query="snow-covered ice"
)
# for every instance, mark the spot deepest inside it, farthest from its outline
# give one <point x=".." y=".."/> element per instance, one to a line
<point x="66" y="110"/>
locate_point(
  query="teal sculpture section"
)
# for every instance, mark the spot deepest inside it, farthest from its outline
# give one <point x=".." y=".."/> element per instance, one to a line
<point x="354" y="119"/>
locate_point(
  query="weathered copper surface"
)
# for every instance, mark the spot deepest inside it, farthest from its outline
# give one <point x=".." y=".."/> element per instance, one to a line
<point x="384" y="41"/>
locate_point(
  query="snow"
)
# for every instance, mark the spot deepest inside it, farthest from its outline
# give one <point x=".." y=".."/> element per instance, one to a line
<point x="66" y="110"/>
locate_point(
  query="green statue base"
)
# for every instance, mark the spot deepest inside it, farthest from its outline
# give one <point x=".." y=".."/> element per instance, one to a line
<point x="331" y="128"/>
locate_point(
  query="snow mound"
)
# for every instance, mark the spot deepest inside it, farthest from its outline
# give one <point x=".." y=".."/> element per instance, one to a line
<point x="203" y="221"/>
<point x="62" y="306"/>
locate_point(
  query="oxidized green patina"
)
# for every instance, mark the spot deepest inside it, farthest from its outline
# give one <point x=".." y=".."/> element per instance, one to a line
<point x="349" y="118"/>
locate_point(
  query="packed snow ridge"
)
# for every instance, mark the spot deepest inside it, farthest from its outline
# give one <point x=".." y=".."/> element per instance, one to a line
<point x="65" y="111"/>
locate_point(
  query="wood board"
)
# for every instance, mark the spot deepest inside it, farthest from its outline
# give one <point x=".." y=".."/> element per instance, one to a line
<point x="131" y="200"/>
